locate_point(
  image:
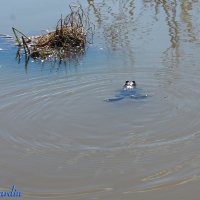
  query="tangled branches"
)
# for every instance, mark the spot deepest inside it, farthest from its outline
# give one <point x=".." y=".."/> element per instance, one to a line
<point x="70" y="37"/>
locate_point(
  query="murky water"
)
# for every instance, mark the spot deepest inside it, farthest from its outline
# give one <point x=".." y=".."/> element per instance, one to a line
<point x="59" y="139"/>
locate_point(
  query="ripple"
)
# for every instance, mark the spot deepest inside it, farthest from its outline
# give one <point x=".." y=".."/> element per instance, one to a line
<point x="57" y="131"/>
<point x="56" y="103"/>
<point x="47" y="107"/>
<point x="66" y="194"/>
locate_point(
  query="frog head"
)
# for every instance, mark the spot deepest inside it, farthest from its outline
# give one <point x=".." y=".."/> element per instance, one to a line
<point x="129" y="85"/>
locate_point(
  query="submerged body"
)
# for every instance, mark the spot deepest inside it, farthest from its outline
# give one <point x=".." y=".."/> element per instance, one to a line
<point x="129" y="90"/>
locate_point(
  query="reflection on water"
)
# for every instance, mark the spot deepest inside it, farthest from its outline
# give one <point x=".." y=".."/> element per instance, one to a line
<point x="59" y="139"/>
<point x="125" y="22"/>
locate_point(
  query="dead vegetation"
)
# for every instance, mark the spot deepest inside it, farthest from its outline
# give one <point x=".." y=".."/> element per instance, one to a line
<point x="70" y="37"/>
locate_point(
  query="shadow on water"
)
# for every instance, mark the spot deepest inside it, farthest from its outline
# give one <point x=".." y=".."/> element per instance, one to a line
<point x="56" y="63"/>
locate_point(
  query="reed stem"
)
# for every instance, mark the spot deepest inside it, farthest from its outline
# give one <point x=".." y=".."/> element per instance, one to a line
<point x="15" y="31"/>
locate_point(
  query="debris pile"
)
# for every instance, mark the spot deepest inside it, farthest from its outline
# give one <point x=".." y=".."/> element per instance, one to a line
<point x="70" y="37"/>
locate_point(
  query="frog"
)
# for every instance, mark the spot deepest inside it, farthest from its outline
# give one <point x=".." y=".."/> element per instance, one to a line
<point x="129" y="90"/>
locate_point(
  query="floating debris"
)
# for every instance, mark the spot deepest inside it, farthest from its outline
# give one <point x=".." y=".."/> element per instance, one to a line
<point x="70" y="38"/>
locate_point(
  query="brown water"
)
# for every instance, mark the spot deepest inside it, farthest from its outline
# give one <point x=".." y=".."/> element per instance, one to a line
<point x="59" y="139"/>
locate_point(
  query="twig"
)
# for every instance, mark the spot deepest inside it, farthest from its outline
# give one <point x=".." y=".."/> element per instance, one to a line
<point x="17" y="38"/>
<point x="25" y="46"/>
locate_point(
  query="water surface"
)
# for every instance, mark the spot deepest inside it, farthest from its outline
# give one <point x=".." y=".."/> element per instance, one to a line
<point x="59" y="139"/>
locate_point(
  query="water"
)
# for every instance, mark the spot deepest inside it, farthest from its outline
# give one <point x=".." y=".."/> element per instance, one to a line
<point x="59" y="139"/>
